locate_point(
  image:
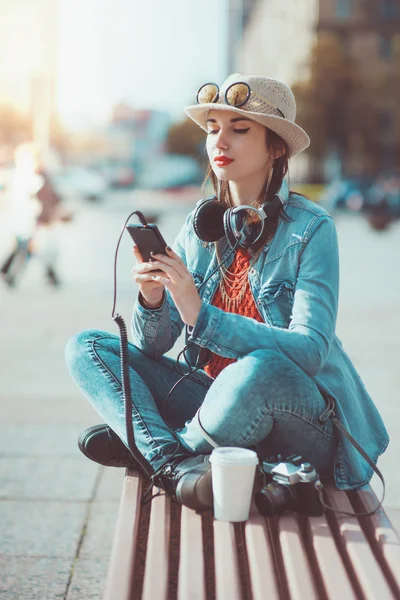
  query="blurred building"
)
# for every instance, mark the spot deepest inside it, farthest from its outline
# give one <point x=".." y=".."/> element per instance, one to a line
<point x="238" y="15"/>
<point x="28" y="66"/>
<point x="277" y="41"/>
<point x="143" y="132"/>
<point x="369" y="32"/>
<point x="278" y="38"/>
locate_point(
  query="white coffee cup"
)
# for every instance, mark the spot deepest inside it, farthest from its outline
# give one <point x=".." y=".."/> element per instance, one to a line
<point x="233" y="471"/>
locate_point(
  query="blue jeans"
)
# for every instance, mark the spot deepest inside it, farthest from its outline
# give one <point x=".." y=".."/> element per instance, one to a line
<point x="263" y="401"/>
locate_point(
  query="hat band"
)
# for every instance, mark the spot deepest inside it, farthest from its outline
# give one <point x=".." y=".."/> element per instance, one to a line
<point x="237" y="95"/>
<point x="256" y="103"/>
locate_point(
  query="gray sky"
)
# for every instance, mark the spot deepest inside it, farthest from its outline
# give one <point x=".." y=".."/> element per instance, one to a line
<point x="149" y="53"/>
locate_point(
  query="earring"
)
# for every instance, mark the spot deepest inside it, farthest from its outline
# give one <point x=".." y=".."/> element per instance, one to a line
<point x="271" y="172"/>
<point x="219" y="190"/>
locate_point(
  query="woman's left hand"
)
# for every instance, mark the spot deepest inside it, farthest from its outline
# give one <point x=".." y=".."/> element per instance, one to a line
<point x="180" y="284"/>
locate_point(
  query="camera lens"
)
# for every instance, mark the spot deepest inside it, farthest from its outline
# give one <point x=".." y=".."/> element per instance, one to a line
<point x="274" y="499"/>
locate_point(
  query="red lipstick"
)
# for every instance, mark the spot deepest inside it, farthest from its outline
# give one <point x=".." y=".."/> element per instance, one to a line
<point x="222" y="161"/>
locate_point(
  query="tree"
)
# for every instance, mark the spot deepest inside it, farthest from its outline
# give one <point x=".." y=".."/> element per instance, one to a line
<point x="341" y="106"/>
<point x="186" y="137"/>
<point x="323" y="99"/>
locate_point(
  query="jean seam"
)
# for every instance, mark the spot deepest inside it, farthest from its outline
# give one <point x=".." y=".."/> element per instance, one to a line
<point x="256" y="425"/>
<point x="158" y="449"/>
<point x="301" y="418"/>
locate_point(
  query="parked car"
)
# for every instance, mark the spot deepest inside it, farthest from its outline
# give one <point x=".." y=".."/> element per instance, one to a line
<point x="385" y="190"/>
<point x="117" y="175"/>
<point x="378" y="199"/>
<point x="346" y="194"/>
<point x="78" y="182"/>
<point x="170" y="171"/>
<point x="382" y="204"/>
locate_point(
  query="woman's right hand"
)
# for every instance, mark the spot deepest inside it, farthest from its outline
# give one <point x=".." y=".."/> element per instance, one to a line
<point x="152" y="291"/>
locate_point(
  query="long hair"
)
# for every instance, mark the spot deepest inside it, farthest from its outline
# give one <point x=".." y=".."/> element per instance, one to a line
<point x="280" y="165"/>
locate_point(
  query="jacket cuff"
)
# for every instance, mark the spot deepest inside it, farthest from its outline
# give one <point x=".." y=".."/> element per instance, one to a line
<point x="147" y="308"/>
<point x="206" y="325"/>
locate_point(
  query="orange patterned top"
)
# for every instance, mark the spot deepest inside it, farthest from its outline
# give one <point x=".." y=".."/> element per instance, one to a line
<point x="246" y="308"/>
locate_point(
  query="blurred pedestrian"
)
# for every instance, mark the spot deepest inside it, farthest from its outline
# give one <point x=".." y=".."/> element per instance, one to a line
<point x="46" y="232"/>
<point x="36" y="208"/>
<point x="25" y="208"/>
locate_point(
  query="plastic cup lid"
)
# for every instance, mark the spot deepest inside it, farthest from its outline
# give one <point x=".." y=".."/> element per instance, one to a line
<point x="231" y="455"/>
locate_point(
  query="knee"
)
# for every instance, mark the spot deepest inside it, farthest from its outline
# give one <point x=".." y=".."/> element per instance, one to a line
<point x="78" y="345"/>
<point x="280" y="380"/>
<point x="261" y="370"/>
<point x="269" y="361"/>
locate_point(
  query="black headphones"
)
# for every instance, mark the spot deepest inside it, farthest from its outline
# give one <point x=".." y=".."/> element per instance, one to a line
<point x="211" y="221"/>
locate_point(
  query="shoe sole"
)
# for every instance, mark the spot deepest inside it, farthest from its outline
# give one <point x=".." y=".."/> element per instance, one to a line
<point x="83" y="439"/>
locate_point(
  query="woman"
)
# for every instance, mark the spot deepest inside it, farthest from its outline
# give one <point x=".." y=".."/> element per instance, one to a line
<point x="265" y="318"/>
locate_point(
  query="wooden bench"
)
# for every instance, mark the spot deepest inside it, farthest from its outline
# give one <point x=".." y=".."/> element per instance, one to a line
<point x="164" y="551"/>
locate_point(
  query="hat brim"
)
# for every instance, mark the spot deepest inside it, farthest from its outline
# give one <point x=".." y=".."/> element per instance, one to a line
<point x="294" y="136"/>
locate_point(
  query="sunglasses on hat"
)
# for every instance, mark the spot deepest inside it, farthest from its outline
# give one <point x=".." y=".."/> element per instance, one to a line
<point x="237" y="94"/>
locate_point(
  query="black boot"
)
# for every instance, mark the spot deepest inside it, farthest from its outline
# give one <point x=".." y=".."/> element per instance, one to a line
<point x="188" y="480"/>
<point x="102" y="445"/>
<point x="52" y="277"/>
<point x="9" y="261"/>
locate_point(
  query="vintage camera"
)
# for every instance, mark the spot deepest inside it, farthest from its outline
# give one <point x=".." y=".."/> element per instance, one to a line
<point x="290" y="485"/>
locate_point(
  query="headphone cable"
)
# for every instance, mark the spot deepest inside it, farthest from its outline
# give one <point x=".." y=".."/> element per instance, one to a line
<point x="189" y="344"/>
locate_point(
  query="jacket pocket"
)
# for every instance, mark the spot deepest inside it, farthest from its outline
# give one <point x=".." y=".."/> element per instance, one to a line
<point x="276" y="298"/>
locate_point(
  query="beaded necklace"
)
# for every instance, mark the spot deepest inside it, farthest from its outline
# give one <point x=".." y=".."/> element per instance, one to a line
<point x="230" y="281"/>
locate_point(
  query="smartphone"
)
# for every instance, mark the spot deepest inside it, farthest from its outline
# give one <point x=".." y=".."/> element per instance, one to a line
<point x="147" y="239"/>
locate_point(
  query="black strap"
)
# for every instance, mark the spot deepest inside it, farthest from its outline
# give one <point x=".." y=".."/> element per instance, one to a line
<point x="329" y="413"/>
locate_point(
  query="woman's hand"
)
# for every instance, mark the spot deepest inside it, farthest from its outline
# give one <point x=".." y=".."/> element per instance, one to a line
<point x="180" y="284"/>
<point x="151" y="290"/>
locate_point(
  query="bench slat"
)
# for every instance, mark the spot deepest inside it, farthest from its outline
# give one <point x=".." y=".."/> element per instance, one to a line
<point x="261" y="560"/>
<point x="227" y="578"/>
<point x="367" y="548"/>
<point x="297" y="568"/>
<point x="122" y="561"/>
<point x="360" y="556"/>
<point x="381" y="531"/>
<point x="191" y="582"/>
<point x="155" y="582"/>
<point x="334" y="574"/>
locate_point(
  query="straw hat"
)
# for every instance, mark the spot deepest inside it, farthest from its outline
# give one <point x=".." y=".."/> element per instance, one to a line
<point x="268" y="101"/>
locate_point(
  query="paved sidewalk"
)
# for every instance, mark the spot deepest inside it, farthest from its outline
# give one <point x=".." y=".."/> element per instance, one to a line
<point x="58" y="510"/>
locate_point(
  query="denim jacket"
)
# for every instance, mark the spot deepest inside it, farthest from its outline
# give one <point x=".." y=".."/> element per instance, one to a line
<point x="295" y="287"/>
